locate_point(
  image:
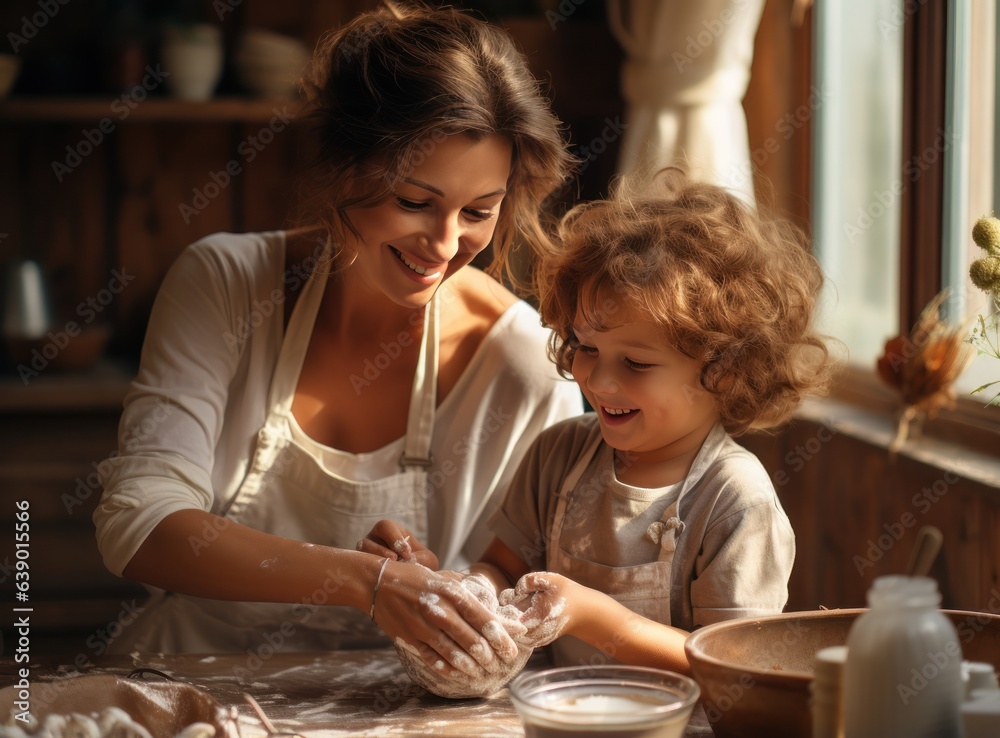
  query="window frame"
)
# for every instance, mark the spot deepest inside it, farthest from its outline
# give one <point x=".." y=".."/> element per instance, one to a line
<point x="925" y="37"/>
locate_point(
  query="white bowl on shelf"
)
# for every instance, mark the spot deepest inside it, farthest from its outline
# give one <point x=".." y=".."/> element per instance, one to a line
<point x="269" y="45"/>
<point x="270" y="64"/>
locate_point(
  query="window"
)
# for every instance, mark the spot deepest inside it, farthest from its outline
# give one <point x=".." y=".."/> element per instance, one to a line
<point x="857" y="170"/>
<point x="904" y="163"/>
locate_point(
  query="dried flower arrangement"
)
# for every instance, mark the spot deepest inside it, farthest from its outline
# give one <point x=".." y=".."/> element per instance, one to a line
<point x="985" y="274"/>
<point x="923" y="366"/>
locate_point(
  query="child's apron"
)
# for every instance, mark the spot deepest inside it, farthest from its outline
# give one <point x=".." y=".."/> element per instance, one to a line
<point x="288" y="492"/>
<point x="644" y="589"/>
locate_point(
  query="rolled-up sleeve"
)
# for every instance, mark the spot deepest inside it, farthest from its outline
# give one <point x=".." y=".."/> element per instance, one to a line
<point x="174" y="411"/>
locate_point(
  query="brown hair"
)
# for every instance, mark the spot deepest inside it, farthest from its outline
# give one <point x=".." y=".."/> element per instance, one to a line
<point x="389" y="85"/>
<point x="731" y="288"/>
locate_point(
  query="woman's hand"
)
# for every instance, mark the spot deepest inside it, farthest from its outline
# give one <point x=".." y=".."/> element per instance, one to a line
<point x="434" y="614"/>
<point x="549" y="601"/>
<point x="393" y="541"/>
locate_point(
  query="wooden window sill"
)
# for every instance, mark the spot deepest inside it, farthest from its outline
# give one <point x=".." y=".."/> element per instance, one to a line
<point x="964" y="440"/>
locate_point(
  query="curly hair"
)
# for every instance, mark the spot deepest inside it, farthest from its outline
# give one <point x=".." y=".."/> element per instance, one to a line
<point x="385" y="88"/>
<point x="726" y="286"/>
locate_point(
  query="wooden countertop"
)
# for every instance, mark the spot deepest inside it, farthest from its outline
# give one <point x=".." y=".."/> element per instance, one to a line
<point x="320" y="695"/>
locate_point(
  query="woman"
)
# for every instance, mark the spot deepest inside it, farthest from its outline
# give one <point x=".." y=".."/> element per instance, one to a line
<point x="297" y="387"/>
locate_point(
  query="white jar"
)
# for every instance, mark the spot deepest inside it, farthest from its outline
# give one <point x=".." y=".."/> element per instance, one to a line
<point x="826" y="692"/>
<point x="903" y="674"/>
<point x="978" y="675"/>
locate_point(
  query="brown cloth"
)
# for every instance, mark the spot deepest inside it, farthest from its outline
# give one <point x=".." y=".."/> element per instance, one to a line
<point x="163" y="708"/>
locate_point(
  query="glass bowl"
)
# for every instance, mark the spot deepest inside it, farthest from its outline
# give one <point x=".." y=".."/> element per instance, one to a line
<point x="604" y="701"/>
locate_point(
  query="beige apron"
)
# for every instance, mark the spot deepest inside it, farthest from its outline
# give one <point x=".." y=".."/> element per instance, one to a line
<point x="288" y="492"/>
<point x="643" y="589"/>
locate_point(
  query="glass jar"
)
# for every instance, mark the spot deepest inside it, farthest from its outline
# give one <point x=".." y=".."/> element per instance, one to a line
<point x="903" y="674"/>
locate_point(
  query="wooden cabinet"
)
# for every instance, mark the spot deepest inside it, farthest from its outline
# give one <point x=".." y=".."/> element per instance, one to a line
<point x="54" y="434"/>
<point x="105" y="207"/>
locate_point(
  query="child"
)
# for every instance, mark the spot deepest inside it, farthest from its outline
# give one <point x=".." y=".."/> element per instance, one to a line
<point x="685" y="318"/>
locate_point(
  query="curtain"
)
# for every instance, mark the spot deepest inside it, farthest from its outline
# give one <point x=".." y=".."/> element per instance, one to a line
<point x="686" y="72"/>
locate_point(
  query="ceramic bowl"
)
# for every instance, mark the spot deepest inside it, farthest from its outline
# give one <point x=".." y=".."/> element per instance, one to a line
<point x="755" y="673"/>
<point x="604" y="701"/>
<point x="268" y="45"/>
<point x="270" y="64"/>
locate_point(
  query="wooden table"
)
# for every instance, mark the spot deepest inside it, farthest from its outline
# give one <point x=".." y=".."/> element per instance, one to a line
<point x="321" y="695"/>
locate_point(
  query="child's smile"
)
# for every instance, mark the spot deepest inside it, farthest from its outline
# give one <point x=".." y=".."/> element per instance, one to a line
<point x="617" y="416"/>
<point x="647" y="395"/>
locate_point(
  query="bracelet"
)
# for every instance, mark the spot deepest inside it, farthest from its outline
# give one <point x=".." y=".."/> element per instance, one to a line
<point x="378" y="580"/>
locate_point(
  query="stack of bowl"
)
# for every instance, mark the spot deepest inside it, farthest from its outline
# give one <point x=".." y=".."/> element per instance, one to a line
<point x="270" y="64"/>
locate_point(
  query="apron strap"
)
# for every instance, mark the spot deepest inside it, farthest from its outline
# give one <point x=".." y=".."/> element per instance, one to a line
<point x="664" y="531"/>
<point x="295" y="342"/>
<point x="706" y="456"/>
<point x="567" y="489"/>
<point x="423" y="397"/>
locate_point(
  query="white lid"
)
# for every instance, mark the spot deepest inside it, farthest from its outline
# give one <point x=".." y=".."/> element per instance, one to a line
<point x="832" y="654"/>
<point x="900" y="591"/>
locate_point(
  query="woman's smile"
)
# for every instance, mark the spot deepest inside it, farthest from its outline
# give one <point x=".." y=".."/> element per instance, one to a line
<point x="429" y="273"/>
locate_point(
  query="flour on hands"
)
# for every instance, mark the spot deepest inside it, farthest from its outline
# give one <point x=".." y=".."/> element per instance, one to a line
<point x="545" y="618"/>
<point x="470" y="679"/>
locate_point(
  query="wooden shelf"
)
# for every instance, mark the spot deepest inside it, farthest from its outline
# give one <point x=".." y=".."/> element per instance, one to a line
<point x="101" y="387"/>
<point x="156" y="109"/>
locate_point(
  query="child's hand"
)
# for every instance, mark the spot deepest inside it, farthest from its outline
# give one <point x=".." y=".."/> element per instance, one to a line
<point x="559" y="606"/>
<point x="393" y="541"/>
<point x="549" y="597"/>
